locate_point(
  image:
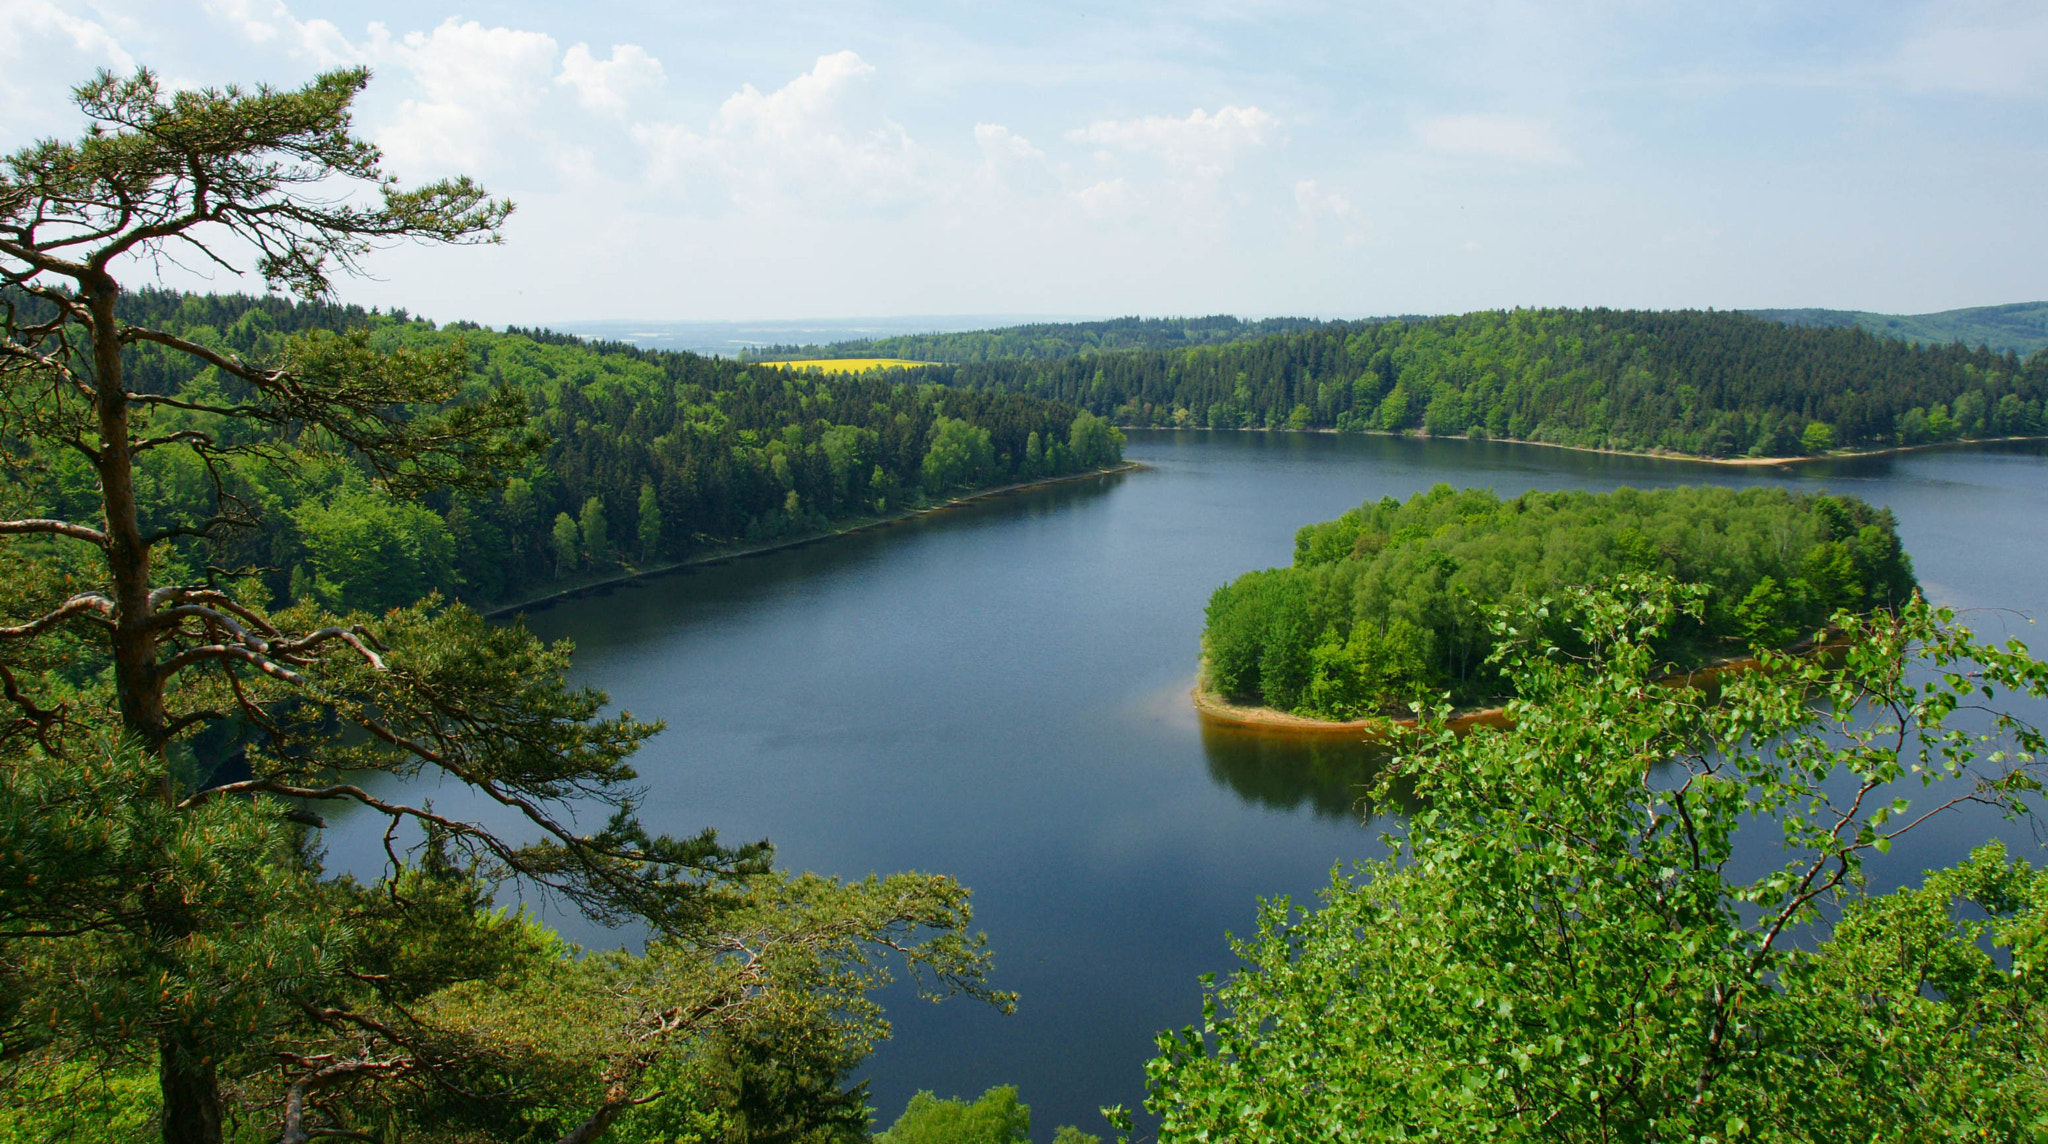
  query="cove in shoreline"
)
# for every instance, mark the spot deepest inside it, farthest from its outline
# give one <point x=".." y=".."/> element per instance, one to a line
<point x="720" y="555"/>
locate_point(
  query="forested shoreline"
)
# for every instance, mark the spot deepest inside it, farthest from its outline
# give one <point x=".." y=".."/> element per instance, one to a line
<point x="1389" y="604"/>
<point x="1698" y="383"/>
<point x="649" y="457"/>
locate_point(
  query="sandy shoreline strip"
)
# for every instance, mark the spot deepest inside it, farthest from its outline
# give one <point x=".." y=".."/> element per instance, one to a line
<point x="1213" y="708"/>
<point x="1217" y="710"/>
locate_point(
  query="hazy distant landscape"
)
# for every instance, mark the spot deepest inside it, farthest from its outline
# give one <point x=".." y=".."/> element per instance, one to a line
<point x="732" y="339"/>
<point x="2020" y="327"/>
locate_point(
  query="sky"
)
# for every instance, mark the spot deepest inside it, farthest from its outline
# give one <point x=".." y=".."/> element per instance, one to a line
<point x="768" y="159"/>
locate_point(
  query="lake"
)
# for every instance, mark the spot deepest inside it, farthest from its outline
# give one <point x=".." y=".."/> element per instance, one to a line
<point x="999" y="692"/>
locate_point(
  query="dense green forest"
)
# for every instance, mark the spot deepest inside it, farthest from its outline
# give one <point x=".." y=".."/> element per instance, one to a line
<point x="1389" y="602"/>
<point x="1704" y="383"/>
<point x="1046" y="341"/>
<point x="649" y="456"/>
<point x="2021" y="327"/>
<point x="1583" y="932"/>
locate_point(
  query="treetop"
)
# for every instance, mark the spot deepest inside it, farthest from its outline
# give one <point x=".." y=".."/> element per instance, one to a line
<point x="269" y="165"/>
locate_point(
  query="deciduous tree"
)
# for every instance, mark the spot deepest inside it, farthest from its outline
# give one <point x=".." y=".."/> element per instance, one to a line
<point x="1564" y="946"/>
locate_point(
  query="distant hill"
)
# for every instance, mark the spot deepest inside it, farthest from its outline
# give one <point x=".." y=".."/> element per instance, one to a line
<point x="734" y="339"/>
<point x="2021" y="327"/>
<point x="1048" y="341"/>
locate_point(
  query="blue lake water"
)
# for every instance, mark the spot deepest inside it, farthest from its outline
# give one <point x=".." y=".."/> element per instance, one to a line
<point x="999" y="692"/>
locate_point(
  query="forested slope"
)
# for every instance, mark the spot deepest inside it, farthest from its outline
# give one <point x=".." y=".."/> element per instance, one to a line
<point x="1696" y="382"/>
<point x="2021" y="327"/>
<point x="650" y="456"/>
<point x="1046" y="341"/>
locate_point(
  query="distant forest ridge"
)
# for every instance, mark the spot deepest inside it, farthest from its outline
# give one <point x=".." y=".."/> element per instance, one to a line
<point x="1048" y="341"/>
<point x="2021" y="327"/>
<point x="1696" y="382"/>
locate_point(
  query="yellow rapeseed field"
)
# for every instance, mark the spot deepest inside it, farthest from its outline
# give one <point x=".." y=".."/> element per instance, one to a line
<point x="848" y="364"/>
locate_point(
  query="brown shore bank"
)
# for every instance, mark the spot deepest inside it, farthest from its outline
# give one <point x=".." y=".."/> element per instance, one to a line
<point x="1217" y="710"/>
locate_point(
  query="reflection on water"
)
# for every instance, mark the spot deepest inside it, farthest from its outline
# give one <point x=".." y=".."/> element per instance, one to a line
<point x="999" y="692"/>
<point x="1328" y="775"/>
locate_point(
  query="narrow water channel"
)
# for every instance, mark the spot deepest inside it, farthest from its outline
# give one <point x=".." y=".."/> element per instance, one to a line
<point x="999" y="692"/>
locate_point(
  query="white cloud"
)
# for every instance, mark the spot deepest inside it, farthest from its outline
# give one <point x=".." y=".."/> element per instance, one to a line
<point x="1312" y="200"/>
<point x="2000" y="53"/>
<point x="1513" y="137"/>
<point x="1201" y="144"/>
<point x="1327" y="212"/>
<point x="1000" y="143"/>
<point x="44" y="50"/>
<point x="22" y="21"/>
<point x="610" y="85"/>
<point x="812" y="102"/>
<point x="1110" y="199"/>
<point x="478" y="83"/>
<point x="820" y="139"/>
<point x="270" y="23"/>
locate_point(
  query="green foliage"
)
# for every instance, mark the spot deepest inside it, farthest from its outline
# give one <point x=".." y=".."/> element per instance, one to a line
<point x="755" y="1019"/>
<point x="568" y="544"/>
<point x="1561" y="948"/>
<point x="1387" y="603"/>
<point x="597" y="545"/>
<point x="719" y="448"/>
<point x="371" y="552"/>
<point x="2021" y="327"/>
<point x="647" y="519"/>
<point x="996" y="1118"/>
<point x="1049" y="340"/>
<point x="1708" y="384"/>
<point x="1094" y="442"/>
<point x="960" y="456"/>
<point x="161" y="139"/>
<point x="61" y="1102"/>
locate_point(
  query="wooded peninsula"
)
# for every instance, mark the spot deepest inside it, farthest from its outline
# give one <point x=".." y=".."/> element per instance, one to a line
<point x="1390" y="604"/>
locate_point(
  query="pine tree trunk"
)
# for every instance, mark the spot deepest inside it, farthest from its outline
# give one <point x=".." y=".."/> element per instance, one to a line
<point x="136" y="685"/>
<point x="191" y="1092"/>
<point x="189" y="1080"/>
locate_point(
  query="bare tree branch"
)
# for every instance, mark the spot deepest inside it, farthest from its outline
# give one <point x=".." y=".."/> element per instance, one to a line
<point x="85" y="603"/>
<point x="53" y="527"/>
